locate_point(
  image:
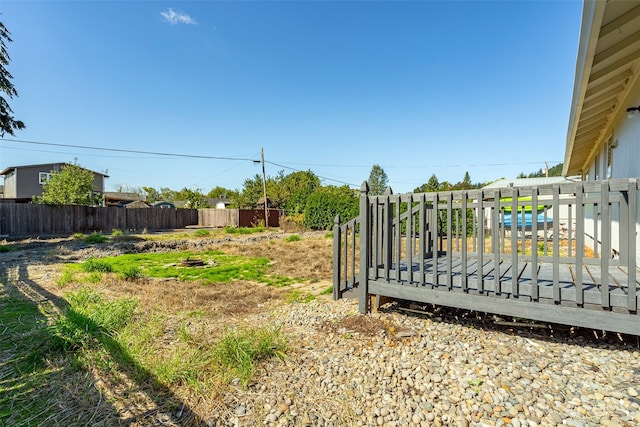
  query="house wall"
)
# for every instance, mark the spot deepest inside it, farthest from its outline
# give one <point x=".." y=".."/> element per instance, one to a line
<point x="24" y="181"/>
<point x="625" y="163"/>
<point x="28" y="179"/>
<point x="10" y="186"/>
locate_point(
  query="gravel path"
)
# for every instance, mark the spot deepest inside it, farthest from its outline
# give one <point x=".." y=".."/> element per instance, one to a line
<point x="399" y="369"/>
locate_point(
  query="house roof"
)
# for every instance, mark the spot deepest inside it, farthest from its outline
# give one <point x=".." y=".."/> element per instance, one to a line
<point x="607" y="66"/>
<point x="529" y="182"/>
<point x="118" y="195"/>
<point x="9" y="169"/>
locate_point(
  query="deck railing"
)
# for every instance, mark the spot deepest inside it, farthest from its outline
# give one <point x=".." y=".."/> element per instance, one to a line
<point x="570" y="245"/>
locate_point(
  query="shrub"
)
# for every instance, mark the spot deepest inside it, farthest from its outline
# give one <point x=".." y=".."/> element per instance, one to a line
<point x="201" y="233"/>
<point x="95" y="237"/>
<point x="131" y="272"/>
<point x="326" y="202"/>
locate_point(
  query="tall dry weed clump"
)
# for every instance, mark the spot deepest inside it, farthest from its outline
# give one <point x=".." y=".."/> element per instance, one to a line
<point x="292" y="224"/>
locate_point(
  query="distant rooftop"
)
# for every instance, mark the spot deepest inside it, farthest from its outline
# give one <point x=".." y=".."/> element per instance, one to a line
<point x="528" y="182"/>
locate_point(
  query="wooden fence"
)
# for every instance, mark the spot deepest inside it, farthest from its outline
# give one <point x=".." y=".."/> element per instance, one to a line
<point x="501" y="251"/>
<point x="27" y="219"/>
<point x="237" y="217"/>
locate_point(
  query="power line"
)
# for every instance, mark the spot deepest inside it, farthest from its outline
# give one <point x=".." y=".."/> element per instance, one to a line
<point x="321" y="177"/>
<point x="120" y="150"/>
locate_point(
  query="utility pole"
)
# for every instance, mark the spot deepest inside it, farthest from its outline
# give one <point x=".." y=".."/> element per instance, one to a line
<point x="264" y="189"/>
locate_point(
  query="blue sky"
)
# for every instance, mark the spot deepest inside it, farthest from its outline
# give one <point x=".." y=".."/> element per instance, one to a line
<point x="419" y="88"/>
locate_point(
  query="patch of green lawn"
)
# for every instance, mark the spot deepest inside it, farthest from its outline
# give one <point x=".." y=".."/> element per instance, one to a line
<point x="218" y="267"/>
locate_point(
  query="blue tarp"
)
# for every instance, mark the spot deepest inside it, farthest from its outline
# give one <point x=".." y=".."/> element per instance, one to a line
<point x="528" y="218"/>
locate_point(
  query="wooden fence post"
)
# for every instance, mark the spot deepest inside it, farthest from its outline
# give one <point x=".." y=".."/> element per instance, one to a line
<point x="336" y="258"/>
<point x="365" y="230"/>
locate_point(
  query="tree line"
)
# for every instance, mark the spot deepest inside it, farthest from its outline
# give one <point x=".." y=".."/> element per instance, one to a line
<point x="299" y="194"/>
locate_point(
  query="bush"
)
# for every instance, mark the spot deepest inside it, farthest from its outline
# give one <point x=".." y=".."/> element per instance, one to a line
<point x="95" y="237"/>
<point x="131" y="272"/>
<point x="326" y="202"/>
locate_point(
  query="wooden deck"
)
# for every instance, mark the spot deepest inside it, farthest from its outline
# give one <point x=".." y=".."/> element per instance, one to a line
<point x="563" y="291"/>
<point x="450" y="249"/>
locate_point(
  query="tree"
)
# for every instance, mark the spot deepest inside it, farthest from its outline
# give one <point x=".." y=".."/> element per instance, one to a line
<point x="193" y="199"/>
<point x="378" y="181"/>
<point x="298" y="186"/>
<point x="432" y="185"/>
<point x="8" y="124"/>
<point x="72" y="185"/>
<point x="151" y="194"/>
<point x="221" y="192"/>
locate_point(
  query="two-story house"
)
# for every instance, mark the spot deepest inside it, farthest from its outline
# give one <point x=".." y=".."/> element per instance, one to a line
<point x="22" y="183"/>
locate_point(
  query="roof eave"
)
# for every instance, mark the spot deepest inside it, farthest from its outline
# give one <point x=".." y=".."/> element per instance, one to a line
<point x="592" y="15"/>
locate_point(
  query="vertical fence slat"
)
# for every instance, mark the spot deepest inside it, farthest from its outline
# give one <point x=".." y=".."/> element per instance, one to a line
<point x="556" y="244"/>
<point x="481" y="224"/>
<point x="463" y="266"/>
<point x="579" y="244"/>
<point x="534" y="245"/>
<point x="631" y="265"/>
<point x="449" y="241"/>
<point x="409" y="239"/>
<point x="436" y="235"/>
<point x="365" y="230"/>
<point x="422" y="230"/>
<point x="605" y="222"/>
<point x="336" y="258"/>
<point x="495" y="242"/>
<point x="398" y="238"/>
<point x="514" y="240"/>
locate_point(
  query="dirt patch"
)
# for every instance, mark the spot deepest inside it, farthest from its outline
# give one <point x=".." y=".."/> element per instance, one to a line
<point x="359" y="323"/>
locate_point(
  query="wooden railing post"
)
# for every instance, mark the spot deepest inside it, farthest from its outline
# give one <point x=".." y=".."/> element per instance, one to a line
<point x="365" y="230"/>
<point x="336" y="258"/>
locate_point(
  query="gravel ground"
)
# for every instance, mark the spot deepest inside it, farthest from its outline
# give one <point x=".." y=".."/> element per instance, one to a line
<point x="397" y="369"/>
<point x="406" y="368"/>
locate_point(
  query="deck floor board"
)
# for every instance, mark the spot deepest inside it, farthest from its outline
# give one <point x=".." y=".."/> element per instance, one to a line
<point x="591" y="274"/>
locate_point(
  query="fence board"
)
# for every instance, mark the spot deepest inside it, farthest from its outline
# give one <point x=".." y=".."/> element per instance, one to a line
<point x="28" y="219"/>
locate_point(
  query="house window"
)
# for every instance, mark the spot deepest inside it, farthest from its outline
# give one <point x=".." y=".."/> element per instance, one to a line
<point x="43" y="177"/>
<point x="610" y="147"/>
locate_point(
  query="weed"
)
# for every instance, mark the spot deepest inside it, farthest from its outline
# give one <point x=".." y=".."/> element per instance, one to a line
<point x="77" y="236"/>
<point x="94" y="277"/>
<point x="329" y="235"/>
<point x="327" y="291"/>
<point x="96" y="265"/>
<point x="201" y="233"/>
<point x="131" y="272"/>
<point x="116" y="232"/>
<point x="295" y="296"/>
<point x="238" y="351"/>
<point x="5" y="248"/>
<point x="243" y="230"/>
<point x="89" y="318"/>
<point x="95" y="237"/>
<point x="293" y="238"/>
<point x="67" y="276"/>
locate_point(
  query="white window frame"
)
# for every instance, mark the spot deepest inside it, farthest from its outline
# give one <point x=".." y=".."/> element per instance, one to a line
<point x="43" y="177"/>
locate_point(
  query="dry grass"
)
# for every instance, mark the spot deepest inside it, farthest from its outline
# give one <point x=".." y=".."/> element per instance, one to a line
<point x="113" y="387"/>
